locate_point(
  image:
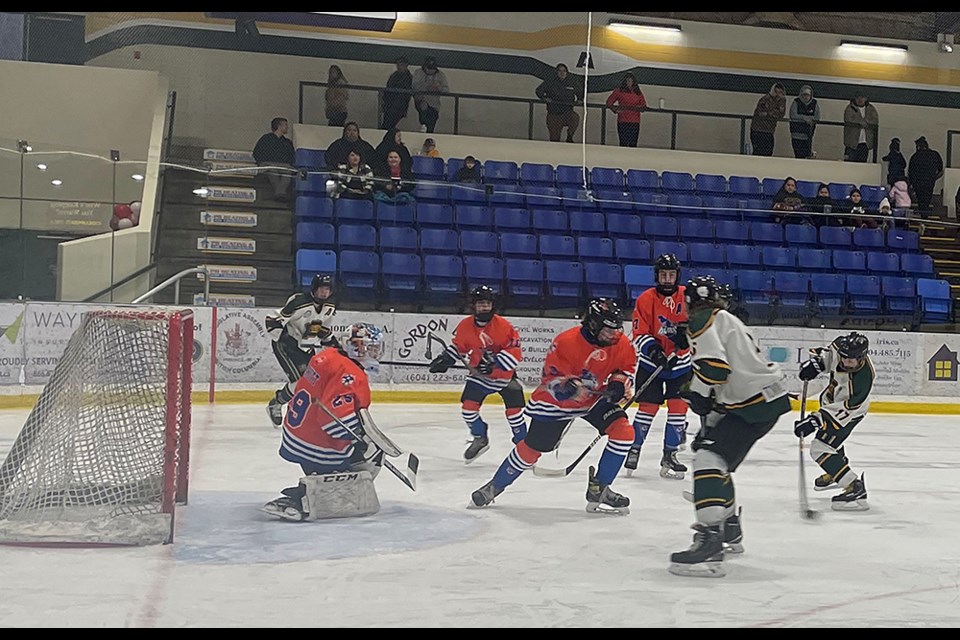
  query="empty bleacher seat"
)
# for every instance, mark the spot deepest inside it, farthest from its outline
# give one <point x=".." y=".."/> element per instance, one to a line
<point x="507" y="195"/>
<point x="846" y="261"/>
<point x="899" y="295"/>
<point x="310" y="262"/>
<point x="706" y="183"/>
<point x="500" y="172"/>
<point x="792" y="289"/>
<point x="401" y="276"/>
<point x="432" y="214"/>
<point x="524" y="281"/>
<point x="779" y="258"/>
<point x="543" y="196"/>
<point x="637" y="278"/>
<point x="631" y="251"/>
<point x="537" y="174"/>
<point x="639" y="180"/>
<point x="603" y="279"/>
<point x="564" y="283"/>
<point x="739" y="255"/>
<point x="388" y="214"/>
<point x="310" y="159"/>
<point x="357" y="236"/>
<point x="607" y="178"/>
<point x="549" y="221"/>
<point x="442" y="274"/>
<point x="510" y="219"/>
<point x="677" y="181"/>
<point x="679" y="249"/>
<point x="428" y="168"/>
<point x="518" y="245"/>
<point x="399" y="239"/>
<point x="314" y="208"/>
<point x="755" y="287"/>
<point x="572" y="176"/>
<point x="883" y="264"/>
<point x="814" y="259"/>
<point x="807" y="189"/>
<point x="685" y="204"/>
<point x="829" y="292"/>
<point x="350" y="210"/>
<point x="766" y="232"/>
<point x="745" y="186"/>
<point x="624" y="225"/>
<point x="800" y="235"/>
<point x="903" y="240"/>
<point x="872" y="195"/>
<point x="316" y="235"/>
<point x="936" y="303"/>
<point x="314" y="184"/>
<point x="650" y="203"/>
<point x="840" y="190"/>
<point x="706" y="254"/>
<point x="836" y="237"/>
<point x="595" y="249"/>
<point x="473" y="217"/>
<point x="731" y="231"/>
<point x="755" y="209"/>
<point x="613" y="200"/>
<point x="483" y="270"/>
<point x="695" y="229"/>
<point x="721" y="206"/>
<point x="552" y="247"/>
<point x="577" y="198"/>
<point x="431" y="192"/>
<point x="770" y="186"/>
<point x="439" y="241"/>
<point x="478" y="242"/>
<point x="587" y="223"/>
<point x="663" y="227"/>
<point x="468" y="193"/>
<point x="863" y="293"/>
<point x="869" y="239"/>
<point x="917" y="265"/>
<point x="359" y="272"/>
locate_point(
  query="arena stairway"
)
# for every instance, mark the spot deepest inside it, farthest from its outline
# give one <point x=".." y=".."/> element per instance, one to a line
<point x="243" y="236"/>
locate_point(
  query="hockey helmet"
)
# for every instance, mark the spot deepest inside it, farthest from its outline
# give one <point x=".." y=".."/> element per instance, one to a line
<point x="364" y="343"/>
<point x="483" y="292"/>
<point x="602" y="313"/>
<point x="705" y="291"/>
<point x="666" y="262"/>
<point x="852" y="346"/>
<point x="321" y="280"/>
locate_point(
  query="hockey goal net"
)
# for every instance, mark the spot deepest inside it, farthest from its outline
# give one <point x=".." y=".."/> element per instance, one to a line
<point x="103" y="457"/>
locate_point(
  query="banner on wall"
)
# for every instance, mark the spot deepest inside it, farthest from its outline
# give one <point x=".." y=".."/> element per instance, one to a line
<point x="33" y="337"/>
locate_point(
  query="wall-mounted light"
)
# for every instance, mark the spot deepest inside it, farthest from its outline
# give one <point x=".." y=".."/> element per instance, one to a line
<point x="203" y="192"/>
<point x="875" y="47"/>
<point x="23" y="146"/>
<point x="56" y="182"/>
<point x="138" y="177"/>
<point x="654" y="27"/>
<point x="945" y="42"/>
<point x="114" y="155"/>
<point x="42" y="167"/>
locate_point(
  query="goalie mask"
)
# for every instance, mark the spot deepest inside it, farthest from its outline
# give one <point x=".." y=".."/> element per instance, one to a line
<point x="364" y="343"/>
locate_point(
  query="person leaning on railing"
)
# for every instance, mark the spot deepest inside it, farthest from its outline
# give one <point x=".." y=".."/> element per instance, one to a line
<point x="769" y="111"/>
<point x="561" y="92"/>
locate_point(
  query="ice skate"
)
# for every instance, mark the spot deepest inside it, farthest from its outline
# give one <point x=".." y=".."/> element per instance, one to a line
<point x="603" y="499"/>
<point x="275" y="411"/>
<point x="670" y="467"/>
<point x="853" y="498"/>
<point x="704" y="559"/>
<point x="633" y="458"/>
<point x="484" y="496"/>
<point x="824" y="483"/>
<point x="478" y="446"/>
<point x="733" y="533"/>
<point x="286" y="507"/>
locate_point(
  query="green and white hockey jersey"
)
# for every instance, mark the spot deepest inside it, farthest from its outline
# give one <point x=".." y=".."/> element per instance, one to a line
<point x="727" y="361"/>
<point x="847" y="396"/>
<point x="303" y="319"/>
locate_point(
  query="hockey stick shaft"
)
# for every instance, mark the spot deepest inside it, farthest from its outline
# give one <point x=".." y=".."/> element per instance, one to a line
<point x="802" y="486"/>
<point x="431" y="336"/>
<point x="573" y="465"/>
<point x="413" y="463"/>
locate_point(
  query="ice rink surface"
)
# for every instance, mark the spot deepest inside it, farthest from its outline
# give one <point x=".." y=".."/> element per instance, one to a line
<point x="535" y="558"/>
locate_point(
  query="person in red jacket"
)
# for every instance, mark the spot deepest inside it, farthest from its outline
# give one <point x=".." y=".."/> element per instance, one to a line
<point x="490" y="346"/>
<point x="627" y="102"/>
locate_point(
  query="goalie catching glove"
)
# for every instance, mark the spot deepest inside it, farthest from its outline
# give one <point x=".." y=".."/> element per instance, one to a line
<point x="803" y="428"/>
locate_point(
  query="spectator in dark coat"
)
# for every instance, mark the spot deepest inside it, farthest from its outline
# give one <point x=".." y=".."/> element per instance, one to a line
<point x="896" y="163"/>
<point x="392" y="141"/>
<point x="338" y="150"/>
<point x="470" y="171"/>
<point x="275" y="149"/>
<point x="788" y="203"/>
<point x="396" y="97"/>
<point x="561" y="92"/>
<point x="822" y="204"/>
<point x="926" y="167"/>
<point x="769" y="111"/>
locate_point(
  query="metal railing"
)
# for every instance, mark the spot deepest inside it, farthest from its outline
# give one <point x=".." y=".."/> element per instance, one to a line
<point x="744" y="120"/>
<point x="175" y="281"/>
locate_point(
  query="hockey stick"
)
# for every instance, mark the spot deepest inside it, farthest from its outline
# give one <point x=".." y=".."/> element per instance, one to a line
<point x="431" y="337"/>
<point x="805" y="511"/>
<point x="560" y="473"/>
<point x="413" y="462"/>
<point x="417" y="364"/>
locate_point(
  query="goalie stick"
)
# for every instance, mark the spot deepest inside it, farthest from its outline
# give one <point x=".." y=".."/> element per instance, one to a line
<point x="409" y="477"/>
<point x="560" y="473"/>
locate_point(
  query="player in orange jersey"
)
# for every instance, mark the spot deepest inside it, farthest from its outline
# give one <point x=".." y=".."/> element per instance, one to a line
<point x="490" y="346"/>
<point x="659" y="332"/>
<point x="335" y="379"/>
<point x="585" y="375"/>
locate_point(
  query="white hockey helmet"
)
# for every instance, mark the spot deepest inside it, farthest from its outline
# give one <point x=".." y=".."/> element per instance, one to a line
<point x="364" y="343"/>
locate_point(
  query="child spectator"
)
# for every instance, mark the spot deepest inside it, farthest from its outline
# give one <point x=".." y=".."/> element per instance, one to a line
<point x="627" y="101"/>
<point x="896" y="163"/>
<point x="788" y="203"/>
<point x="429" y="148"/>
<point x="470" y="171"/>
<point x="355" y="179"/>
<point x="853" y="206"/>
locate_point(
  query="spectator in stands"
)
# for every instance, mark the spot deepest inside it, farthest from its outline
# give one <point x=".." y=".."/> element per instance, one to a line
<point x="822" y="204"/>
<point x="275" y="149"/>
<point x="628" y="103"/>
<point x="561" y="92"/>
<point x="395" y="184"/>
<point x="860" y="121"/>
<point x="429" y="148"/>
<point x="788" y="204"/>
<point x="354" y="178"/>
<point x="896" y="163"/>
<point x="392" y="141"/>
<point x="469" y="172"/>
<point x="428" y="83"/>
<point x="853" y="205"/>
<point x="926" y="167"/>
<point x="336" y="153"/>
<point x="769" y="111"/>
<point x="804" y="116"/>
<point x="884" y="209"/>
<point x="337" y="97"/>
<point x="900" y="194"/>
<point x="396" y="96"/>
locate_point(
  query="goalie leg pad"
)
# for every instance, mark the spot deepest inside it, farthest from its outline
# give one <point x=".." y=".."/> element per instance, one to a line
<point x="340" y="495"/>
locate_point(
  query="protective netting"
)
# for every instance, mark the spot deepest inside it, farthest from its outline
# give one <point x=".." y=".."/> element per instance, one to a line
<point x="103" y="456"/>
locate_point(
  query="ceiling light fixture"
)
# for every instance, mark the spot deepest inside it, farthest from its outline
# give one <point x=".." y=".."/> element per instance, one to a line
<point x="638" y="24"/>
<point x="872" y="46"/>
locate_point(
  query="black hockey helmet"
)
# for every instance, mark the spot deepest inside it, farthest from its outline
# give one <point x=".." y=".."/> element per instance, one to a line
<point x="669" y="262"/>
<point x="601" y="313"/>
<point x="483" y="292"/>
<point x="321" y="280"/>
<point x="852" y="345"/>
<point x="705" y="291"/>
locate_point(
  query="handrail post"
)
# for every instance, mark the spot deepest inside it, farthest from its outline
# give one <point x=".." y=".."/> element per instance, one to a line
<point x="530" y="121"/>
<point x="603" y="126"/>
<point x="300" y="111"/>
<point x="206" y="286"/>
<point x="673" y="131"/>
<point x="176" y="292"/>
<point x="743" y="135"/>
<point x="456" y="115"/>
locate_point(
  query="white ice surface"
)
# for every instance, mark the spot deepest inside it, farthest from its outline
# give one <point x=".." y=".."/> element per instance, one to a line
<point x="533" y="559"/>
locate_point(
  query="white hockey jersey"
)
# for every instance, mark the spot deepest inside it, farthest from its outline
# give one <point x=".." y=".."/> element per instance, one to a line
<point x="302" y="318"/>
<point x="847" y="396"/>
<point x="728" y="362"/>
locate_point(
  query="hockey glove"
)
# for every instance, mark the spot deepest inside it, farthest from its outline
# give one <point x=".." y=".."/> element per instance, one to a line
<point x="273" y="324"/>
<point x="700" y="405"/>
<point x="615" y="391"/>
<point x="679" y="338"/>
<point x="441" y="363"/>
<point x="803" y="428"/>
<point x="567" y="389"/>
<point x="657" y="356"/>
<point x="811" y="368"/>
<point x="485" y="367"/>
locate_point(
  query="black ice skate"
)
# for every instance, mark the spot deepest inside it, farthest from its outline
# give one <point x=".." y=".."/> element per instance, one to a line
<point x="275" y="411"/>
<point x="289" y="506"/>
<point x="670" y="467"/>
<point x="484" y="495"/>
<point x="602" y="499"/>
<point x="704" y="559"/>
<point x="853" y="498"/>
<point x="633" y="457"/>
<point x="733" y="533"/>
<point x="824" y="483"/>
<point x="477" y="448"/>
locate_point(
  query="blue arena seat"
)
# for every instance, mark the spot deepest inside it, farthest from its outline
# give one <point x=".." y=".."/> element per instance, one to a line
<point x="845" y="261"/>
<point x="903" y="240"/>
<point x="315" y="184"/>
<point x="685" y="204"/>
<point x="614" y="200"/>
<point x="357" y="236"/>
<point x="747" y="186"/>
<point x="537" y="174"/>
<point x="721" y="206"/>
<point x="316" y="235"/>
<point x="433" y="214"/>
<point x="510" y="219"/>
<point x="310" y="208"/>
<point x="793" y="289"/>
<point x="524" y="281"/>
<point x="607" y="178"/>
<point x="829" y="292"/>
<point x="478" y="242"/>
<point x="631" y="251"/>
<point x="594" y="249"/>
<point x="869" y="239"/>
<point x="637" y="278"/>
<point x="840" y="190"/>
<point x="660" y="227"/>
<point x="359" y="272"/>
<point x="468" y="193"/>
<point x="770" y="186"/>
<point x="696" y="229"/>
<point x="453" y="168"/>
<point x="731" y="231"/>
<point x="543" y="196"/>
<point x="500" y="172"/>
<point x="603" y="279"/>
<point x="739" y="255"/>
<point x="433" y="241"/>
<point x="624" y="225"/>
<point x="311" y="159"/>
<point x="387" y="214"/>
<point x="814" y="259"/>
<point x="508" y="195"/>
<point x="705" y="254"/>
<point x="399" y="239"/>
<point x="553" y="247"/>
<point x="863" y="293"/>
<point x="442" y="275"/>
<point x="706" y="183"/>
<point x="310" y="262"/>
<point x="642" y="180"/>
<point x="883" y="264"/>
<point x="549" y="221"/>
<point x="651" y="203"/>
<point x="518" y="245"/>
<point x="836" y="237"/>
<point x="779" y="258"/>
<point x="483" y="270"/>
<point x="873" y="195"/>
<point x="917" y="265"/>
<point x="427" y="168"/>
<point x="431" y="192"/>
<point x="575" y="198"/>
<point x="800" y="235"/>
<point x="755" y="287"/>
<point x="401" y="277"/>
<point x="587" y="223"/>
<point x="766" y="233"/>
<point x="899" y="295"/>
<point x="677" y="181"/>
<point x="807" y="189"/>
<point x="936" y="303"/>
<point x="350" y="211"/>
<point x="571" y="176"/>
<point x="564" y="283"/>
<point x="679" y="249"/>
<point x="473" y="217"/>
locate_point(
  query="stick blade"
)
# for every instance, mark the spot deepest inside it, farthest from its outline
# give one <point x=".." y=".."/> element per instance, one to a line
<point x="546" y="472"/>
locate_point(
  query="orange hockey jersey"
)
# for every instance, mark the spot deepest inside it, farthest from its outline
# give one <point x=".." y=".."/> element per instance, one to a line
<point x="571" y="355"/>
<point x="309" y="434"/>
<point x="498" y="338"/>
<point x="655" y="318"/>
